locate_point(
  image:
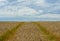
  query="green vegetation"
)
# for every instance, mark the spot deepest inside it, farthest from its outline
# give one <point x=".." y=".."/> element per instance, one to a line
<point x="9" y="33"/>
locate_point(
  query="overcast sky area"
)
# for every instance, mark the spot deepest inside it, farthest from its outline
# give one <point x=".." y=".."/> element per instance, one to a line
<point x="29" y="10"/>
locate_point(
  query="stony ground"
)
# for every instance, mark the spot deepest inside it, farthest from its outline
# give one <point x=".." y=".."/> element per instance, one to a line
<point x="30" y="31"/>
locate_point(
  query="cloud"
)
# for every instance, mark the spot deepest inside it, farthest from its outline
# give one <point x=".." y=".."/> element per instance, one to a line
<point x="13" y="11"/>
<point x="8" y="11"/>
<point x="21" y="0"/>
<point x="31" y="9"/>
<point x="40" y="2"/>
<point x="49" y="16"/>
<point x="50" y="6"/>
<point x="26" y="11"/>
<point x="7" y="14"/>
<point x="2" y="0"/>
<point x="41" y="11"/>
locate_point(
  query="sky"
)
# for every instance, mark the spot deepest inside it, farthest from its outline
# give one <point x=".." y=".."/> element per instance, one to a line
<point x="29" y="10"/>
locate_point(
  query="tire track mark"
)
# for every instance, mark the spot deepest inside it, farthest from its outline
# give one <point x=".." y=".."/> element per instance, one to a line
<point x="10" y="33"/>
<point x="49" y="35"/>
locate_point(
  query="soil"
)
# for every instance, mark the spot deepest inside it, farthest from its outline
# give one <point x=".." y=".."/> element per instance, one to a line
<point x="29" y="31"/>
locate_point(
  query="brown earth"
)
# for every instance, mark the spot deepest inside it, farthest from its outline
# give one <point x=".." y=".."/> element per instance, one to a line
<point x="29" y="31"/>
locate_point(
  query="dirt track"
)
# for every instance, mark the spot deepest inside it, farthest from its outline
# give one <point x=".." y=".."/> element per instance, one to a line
<point x="30" y="31"/>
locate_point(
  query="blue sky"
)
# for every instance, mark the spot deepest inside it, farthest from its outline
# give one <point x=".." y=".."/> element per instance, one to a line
<point x="29" y="10"/>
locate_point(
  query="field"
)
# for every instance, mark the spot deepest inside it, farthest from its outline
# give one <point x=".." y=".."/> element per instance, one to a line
<point x="29" y="31"/>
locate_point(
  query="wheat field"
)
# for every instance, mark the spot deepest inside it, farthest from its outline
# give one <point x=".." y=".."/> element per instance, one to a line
<point x="29" y="31"/>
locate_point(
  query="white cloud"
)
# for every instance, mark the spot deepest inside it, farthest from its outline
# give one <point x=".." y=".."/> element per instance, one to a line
<point x="8" y="11"/>
<point x="13" y="11"/>
<point x="26" y="2"/>
<point x="2" y="0"/>
<point x="26" y="11"/>
<point x="7" y="14"/>
<point x="40" y="11"/>
<point x="44" y="3"/>
<point x="49" y="16"/>
<point x="40" y="2"/>
<point x="20" y="0"/>
<point x="56" y="7"/>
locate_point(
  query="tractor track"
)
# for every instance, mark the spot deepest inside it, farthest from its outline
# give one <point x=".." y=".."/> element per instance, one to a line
<point x="28" y="31"/>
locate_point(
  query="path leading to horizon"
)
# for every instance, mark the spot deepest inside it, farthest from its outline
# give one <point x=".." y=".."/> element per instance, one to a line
<point x="29" y="31"/>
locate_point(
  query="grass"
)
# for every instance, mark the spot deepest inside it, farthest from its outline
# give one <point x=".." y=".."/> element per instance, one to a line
<point x="9" y="33"/>
<point x="45" y="32"/>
